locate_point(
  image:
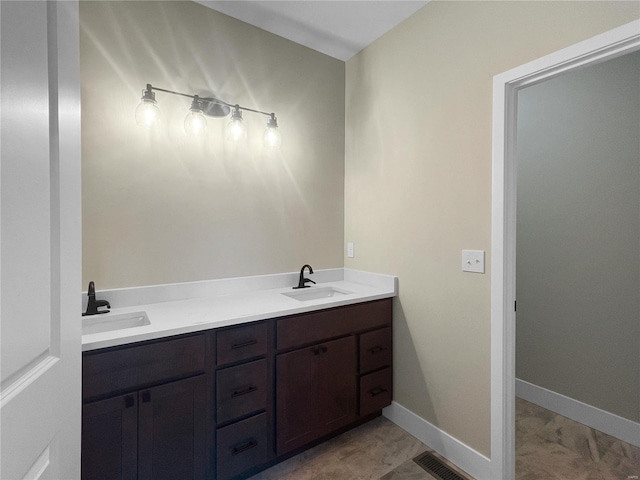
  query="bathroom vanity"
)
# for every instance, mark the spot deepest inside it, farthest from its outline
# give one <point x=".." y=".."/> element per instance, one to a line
<point x="227" y="402"/>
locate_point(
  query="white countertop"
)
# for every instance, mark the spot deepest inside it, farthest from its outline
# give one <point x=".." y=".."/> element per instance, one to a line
<point x="234" y="307"/>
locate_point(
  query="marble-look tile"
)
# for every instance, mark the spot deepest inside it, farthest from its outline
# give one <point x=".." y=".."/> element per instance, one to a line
<point x="573" y="435"/>
<point x="326" y="468"/>
<point x="539" y="459"/>
<point x="378" y="449"/>
<point x="621" y="460"/>
<point x="530" y="419"/>
<point x="365" y="453"/>
<point x="527" y="409"/>
<point x="563" y="449"/>
<point x="548" y="447"/>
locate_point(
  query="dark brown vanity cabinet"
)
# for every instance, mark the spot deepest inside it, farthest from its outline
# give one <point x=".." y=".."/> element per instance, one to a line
<point x="138" y="420"/>
<point x="316" y="392"/>
<point x="375" y="370"/>
<point x="225" y="403"/>
<point x="318" y="384"/>
<point x="244" y="389"/>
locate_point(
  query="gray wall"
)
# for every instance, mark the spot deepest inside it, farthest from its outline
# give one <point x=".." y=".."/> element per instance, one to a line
<point x="578" y="236"/>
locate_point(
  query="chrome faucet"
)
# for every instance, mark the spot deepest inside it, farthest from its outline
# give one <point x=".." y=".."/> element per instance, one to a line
<point x="302" y="280"/>
<point x="93" y="304"/>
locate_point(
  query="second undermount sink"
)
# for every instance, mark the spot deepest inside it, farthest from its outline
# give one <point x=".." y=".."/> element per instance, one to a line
<point x="101" y="323"/>
<point x="315" y="293"/>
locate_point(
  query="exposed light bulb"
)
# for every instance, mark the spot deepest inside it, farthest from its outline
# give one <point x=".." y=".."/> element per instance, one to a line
<point x="272" y="137"/>
<point x="194" y="123"/>
<point x="147" y="112"/>
<point x="236" y="130"/>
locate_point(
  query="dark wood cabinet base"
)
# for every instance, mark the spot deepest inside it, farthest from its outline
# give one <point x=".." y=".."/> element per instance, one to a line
<point x="227" y="403"/>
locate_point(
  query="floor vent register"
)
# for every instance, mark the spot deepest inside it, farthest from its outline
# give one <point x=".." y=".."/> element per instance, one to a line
<point x="435" y="467"/>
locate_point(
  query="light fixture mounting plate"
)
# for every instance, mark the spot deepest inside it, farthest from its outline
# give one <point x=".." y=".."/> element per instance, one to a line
<point x="214" y="109"/>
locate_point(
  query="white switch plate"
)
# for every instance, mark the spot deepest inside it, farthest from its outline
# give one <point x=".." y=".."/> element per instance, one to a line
<point x="350" y="249"/>
<point x="473" y="261"/>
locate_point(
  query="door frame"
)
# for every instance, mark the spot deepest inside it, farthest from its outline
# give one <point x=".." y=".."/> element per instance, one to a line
<point x="608" y="45"/>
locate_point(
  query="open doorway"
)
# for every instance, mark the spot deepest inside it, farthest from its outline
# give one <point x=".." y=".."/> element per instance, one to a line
<point x="617" y="42"/>
<point x="578" y="274"/>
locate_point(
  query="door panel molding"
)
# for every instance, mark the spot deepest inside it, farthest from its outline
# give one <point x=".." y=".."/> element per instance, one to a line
<point x="26" y="376"/>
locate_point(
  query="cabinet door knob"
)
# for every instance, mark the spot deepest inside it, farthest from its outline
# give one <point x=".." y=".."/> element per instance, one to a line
<point x="244" y="447"/>
<point x="129" y="401"/>
<point x="146" y="397"/>
<point x="376" y="349"/>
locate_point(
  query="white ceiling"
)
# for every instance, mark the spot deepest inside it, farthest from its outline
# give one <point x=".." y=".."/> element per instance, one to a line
<point x="336" y="28"/>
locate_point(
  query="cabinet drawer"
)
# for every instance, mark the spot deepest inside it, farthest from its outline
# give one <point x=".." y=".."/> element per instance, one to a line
<point x="375" y="391"/>
<point x="375" y="350"/>
<point x="241" y="446"/>
<point x="321" y="325"/>
<point x="137" y="366"/>
<point x="241" y="390"/>
<point x="240" y="343"/>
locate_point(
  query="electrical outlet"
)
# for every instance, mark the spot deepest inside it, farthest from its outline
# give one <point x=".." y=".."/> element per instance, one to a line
<point x="350" y="249"/>
<point x="473" y="261"/>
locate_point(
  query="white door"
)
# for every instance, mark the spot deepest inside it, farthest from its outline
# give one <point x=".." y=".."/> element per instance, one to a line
<point x="40" y="241"/>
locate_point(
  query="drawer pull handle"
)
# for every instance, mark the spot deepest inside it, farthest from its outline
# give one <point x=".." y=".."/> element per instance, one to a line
<point x="376" y="349"/>
<point x="244" y="447"/>
<point x="146" y="397"/>
<point x="244" y="391"/>
<point x="128" y="401"/>
<point x="377" y="391"/>
<point x="244" y="344"/>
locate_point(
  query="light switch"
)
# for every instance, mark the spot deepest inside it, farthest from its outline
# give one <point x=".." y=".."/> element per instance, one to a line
<point x="473" y="261"/>
<point x="350" y="249"/>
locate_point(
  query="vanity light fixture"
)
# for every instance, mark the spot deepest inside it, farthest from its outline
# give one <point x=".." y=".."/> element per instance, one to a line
<point x="195" y="123"/>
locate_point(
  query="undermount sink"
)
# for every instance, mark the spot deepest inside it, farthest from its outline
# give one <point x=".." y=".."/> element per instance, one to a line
<point x="315" y="293"/>
<point x="101" y="323"/>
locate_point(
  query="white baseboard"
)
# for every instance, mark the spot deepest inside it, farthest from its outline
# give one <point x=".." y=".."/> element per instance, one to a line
<point x="458" y="453"/>
<point x="621" y="428"/>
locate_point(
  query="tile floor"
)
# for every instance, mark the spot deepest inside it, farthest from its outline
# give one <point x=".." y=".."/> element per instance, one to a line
<point x="552" y="447"/>
<point x="548" y="447"/>
<point x="377" y="450"/>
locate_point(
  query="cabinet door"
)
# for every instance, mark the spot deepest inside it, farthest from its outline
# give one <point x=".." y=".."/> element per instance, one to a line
<point x="316" y="392"/>
<point x="335" y="387"/>
<point x="295" y="397"/>
<point x="172" y="431"/>
<point x="110" y="439"/>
